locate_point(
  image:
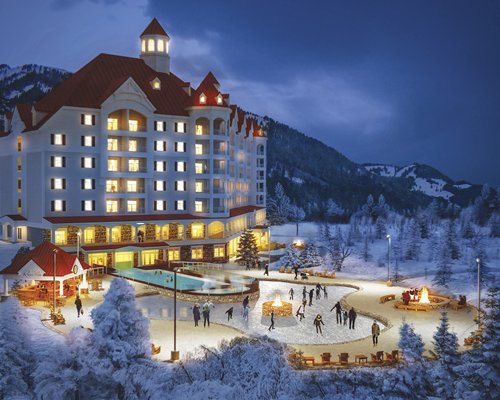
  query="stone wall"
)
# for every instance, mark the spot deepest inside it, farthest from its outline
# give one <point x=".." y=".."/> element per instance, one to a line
<point x="46" y="235"/>
<point x="136" y="259"/>
<point x="71" y="235"/>
<point x="174" y="230"/>
<point x="150" y="233"/>
<point x="109" y="260"/>
<point x="126" y="233"/>
<point x="100" y="234"/>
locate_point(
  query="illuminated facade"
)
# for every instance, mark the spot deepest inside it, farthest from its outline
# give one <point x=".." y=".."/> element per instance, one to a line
<point x="132" y="165"/>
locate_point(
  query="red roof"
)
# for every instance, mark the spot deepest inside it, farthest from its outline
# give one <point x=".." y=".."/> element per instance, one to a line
<point x="96" y="81"/>
<point x="24" y="111"/>
<point x="15" y="217"/>
<point x="121" y="245"/>
<point x="121" y="218"/>
<point x="234" y="212"/>
<point x="210" y="87"/>
<point x="43" y="256"/>
<point x="154" y="28"/>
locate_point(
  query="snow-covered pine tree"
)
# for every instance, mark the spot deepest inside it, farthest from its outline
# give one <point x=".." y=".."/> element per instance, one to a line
<point x="478" y="251"/>
<point x="292" y="257"/>
<point x="479" y="372"/>
<point x="310" y="257"/>
<point x="333" y="210"/>
<point x="494" y="224"/>
<point x="279" y="206"/>
<point x="366" y="249"/>
<point x="380" y="228"/>
<point x="443" y="273"/>
<point x="446" y="347"/>
<point x="120" y="343"/>
<point x="297" y="214"/>
<point x="16" y="356"/>
<point x="451" y="240"/>
<point x="381" y="209"/>
<point x="247" y="253"/>
<point x="413" y="241"/>
<point x="368" y="209"/>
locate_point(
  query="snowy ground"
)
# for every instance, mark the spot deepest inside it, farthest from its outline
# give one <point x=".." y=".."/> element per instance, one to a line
<point x="288" y="330"/>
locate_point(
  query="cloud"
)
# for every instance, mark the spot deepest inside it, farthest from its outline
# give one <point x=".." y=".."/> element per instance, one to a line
<point x="66" y="4"/>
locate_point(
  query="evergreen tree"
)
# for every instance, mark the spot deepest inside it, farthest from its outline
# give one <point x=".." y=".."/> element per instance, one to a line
<point x="381" y="209"/>
<point x="310" y="256"/>
<point x="366" y="250"/>
<point x="380" y="228"/>
<point x="333" y="210"/>
<point x="451" y="240"/>
<point x="443" y="274"/>
<point x="479" y="373"/>
<point x="494" y="224"/>
<point x="478" y="251"/>
<point x="467" y="230"/>
<point x="446" y="346"/>
<point x="16" y="357"/>
<point x="368" y="209"/>
<point x="413" y="241"/>
<point x="291" y="258"/>
<point x="279" y="206"/>
<point x="297" y="214"/>
<point x="247" y="253"/>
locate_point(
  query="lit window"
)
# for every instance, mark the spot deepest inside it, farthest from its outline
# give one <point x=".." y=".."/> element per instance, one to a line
<point x="180" y="147"/>
<point x="198" y="206"/>
<point x="133" y="125"/>
<point x="199" y="130"/>
<point x="198" y="167"/>
<point x="180" y="127"/>
<point x="180" y="186"/>
<point x="198" y="148"/>
<point x="19" y="143"/>
<point x="87" y="119"/>
<point x="203" y="99"/>
<point x="58" y="205"/>
<point x="87" y="184"/>
<point x="199" y="187"/>
<point x="219" y="251"/>
<point x="60" y="237"/>
<point x="180" y="205"/>
<point x="159" y="205"/>
<point x="19" y="164"/>
<point x="160" y="145"/>
<point x="181" y="166"/>
<point x="19" y="184"/>
<point x="160" y="186"/>
<point x="88" y="205"/>
<point x="151" y="45"/>
<point x="131" y="205"/>
<point x="89" y="235"/>
<point x="58" y="162"/>
<point x="160" y="45"/>
<point x="132" y="186"/>
<point x="156" y="84"/>
<point x="196" y="253"/>
<point x="149" y="257"/>
<point x="58" y="183"/>
<point x="166" y="47"/>
<point x="111" y="206"/>
<point x="113" y="144"/>
<point x="58" y="139"/>
<point x="113" y="165"/>
<point x="197" y="231"/>
<point x="88" y="141"/>
<point x="132" y="145"/>
<point x="87" y="162"/>
<point x="143" y="45"/>
<point x="174" y="253"/>
<point x="111" y="186"/>
<point x="112" y="124"/>
<point x="160" y="166"/>
<point x="133" y="165"/>
<point x="159" y="126"/>
<point x="219" y="99"/>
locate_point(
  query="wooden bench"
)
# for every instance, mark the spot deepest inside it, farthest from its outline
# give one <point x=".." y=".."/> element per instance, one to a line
<point x="308" y="360"/>
<point x="387" y="297"/>
<point x="454" y="304"/>
<point x="412" y="306"/>
<point x="360" y="359"/>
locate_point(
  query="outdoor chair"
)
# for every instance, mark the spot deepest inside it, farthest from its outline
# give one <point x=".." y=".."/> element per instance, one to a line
<point x="344" y="358"/>
<point x="395" y="355"/>
<point x="311" y="272"/>
<point x="326" y="358"/>
<point x="378" y="357"/>
<point x="282" y="270"/>
<point x="289" y="270"/>
<point x="155" y="349"/>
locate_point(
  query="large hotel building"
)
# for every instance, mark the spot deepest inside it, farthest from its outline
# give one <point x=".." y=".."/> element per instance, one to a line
<point x="129" y="165"/>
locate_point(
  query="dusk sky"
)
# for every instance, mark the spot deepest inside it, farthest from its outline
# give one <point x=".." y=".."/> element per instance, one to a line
<point x="386" y="81"/>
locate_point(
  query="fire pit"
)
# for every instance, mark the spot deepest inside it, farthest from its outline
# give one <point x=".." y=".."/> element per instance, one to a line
<point x="425" y="302"/>
<point x="280" y="308"/>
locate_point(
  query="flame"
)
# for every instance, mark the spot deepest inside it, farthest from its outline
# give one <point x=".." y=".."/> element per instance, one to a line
<point x="424" y="295"/>
<point x="277" y="301"/>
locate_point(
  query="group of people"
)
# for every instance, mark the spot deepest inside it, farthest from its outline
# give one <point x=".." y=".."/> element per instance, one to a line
<point x="343" y="315"/>
<point x="410" y="295"/>
<point x="205" y="311"/>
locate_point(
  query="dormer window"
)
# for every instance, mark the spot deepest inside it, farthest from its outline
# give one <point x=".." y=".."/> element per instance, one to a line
<point x="219" y="99"/>
<point x="203" y="99"/>
<point x="156" y="84"/>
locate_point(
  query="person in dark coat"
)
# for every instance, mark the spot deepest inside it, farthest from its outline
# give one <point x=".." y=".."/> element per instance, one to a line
<point x="296" y="270"/>
<point x="345" y="315"/>
<point x="375" y="333"/>
<point x="206" y="313"/>
<point x="311" y="295"/>
<point x="291" y="293"/>
<point x="266" y="269"/>
<point x="338" y="309"/>
<point x="78" y="304"/>
<point x="304" y="303"/>
<point x="318" y="321"/>
<point x="318" y="293"/>
<point x="272" y="321"/>
<point x="246" y="300"/>
<point x="352" y="318"/>
<point x="301" y="312"/>
<point x="325" y="293"/>
<point x="229" y="313"/>
<point x="304" y="292"/>
<point x="196" y="314"/>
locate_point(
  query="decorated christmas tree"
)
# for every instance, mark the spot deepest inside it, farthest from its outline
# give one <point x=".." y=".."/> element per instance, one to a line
<point x="247" y="249"/>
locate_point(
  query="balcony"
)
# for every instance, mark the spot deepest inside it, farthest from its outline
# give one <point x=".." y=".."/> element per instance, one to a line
<point x="219" y="209"/>
<point x="219" y="171"/>
<point x="219" y="132"/>
<point x="219" y="190"/>
<point x="219" y="151"/>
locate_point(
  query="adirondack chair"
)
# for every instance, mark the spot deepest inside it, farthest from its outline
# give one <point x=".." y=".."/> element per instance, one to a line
<point x="326" y="358"/>
<point x="282" y="270"/>
<point x="378" y="357"/>
<point x="289" y="270"/>
<point x="344" y="358"/>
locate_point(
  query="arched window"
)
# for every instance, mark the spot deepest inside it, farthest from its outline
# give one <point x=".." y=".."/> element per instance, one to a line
<point x="151" y="45"/>
<point x="143" y="45"/>
<point x="160" y="45"/>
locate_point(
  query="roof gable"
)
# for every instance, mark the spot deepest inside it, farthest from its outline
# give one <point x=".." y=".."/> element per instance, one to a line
<point x="154" y="28"/>
<point x="127" y="89"/>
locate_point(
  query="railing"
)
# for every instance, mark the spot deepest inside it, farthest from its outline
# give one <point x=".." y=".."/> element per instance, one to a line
<point x="219" y="209"/>
<point x="220" y="151"/>
<point x="219" y="190"/>
<point x="124" y="190"/>
<point x="219" y="170"/>
<point x="219" y="132"/>
<point x="194" y="265"/>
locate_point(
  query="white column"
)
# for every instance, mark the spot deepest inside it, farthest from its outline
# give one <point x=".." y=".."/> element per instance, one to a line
<point x="5" y="286"/>
<point x="61" y="289"/>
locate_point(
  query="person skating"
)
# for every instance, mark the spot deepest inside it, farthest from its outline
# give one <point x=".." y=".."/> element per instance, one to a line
<point x="266" y="269"/>
<point x="318" y="293"/>
<point x="246" y="311"/>
<point x="206" y="313"/>
<point x="246" y="300"/>
<point x="272" y="321"/>
<point x="375" y="333"/>
<point x="296" y="270"/>
<point x="300" y="312"/>
<point x="325" y="293"/>
<point x="229" y="313"/>
<point x="196" y="314"/>
<point x="338" y="309"/>
<point x="304" y="292"/>
<point x="304" y="303"/>
<point x="311" y="295"/>
<point x="78" y="304"/>
<point x="345" y="315"/>
<point x="318" y="321"/>
<point x="352" y="318"/>
<point x="290" y="292"/>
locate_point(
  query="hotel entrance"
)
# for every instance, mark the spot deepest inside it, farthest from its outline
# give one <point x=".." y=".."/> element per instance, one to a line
<point x="124" y="260"/>
<point x="97" y="259"/>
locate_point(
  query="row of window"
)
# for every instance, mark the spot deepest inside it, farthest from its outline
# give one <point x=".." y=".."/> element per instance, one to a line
<point x="112" y="206"/>
<point x="133" y="125"/>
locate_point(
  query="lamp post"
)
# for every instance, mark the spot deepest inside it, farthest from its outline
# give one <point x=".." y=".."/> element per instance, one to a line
<point x="269" y="246"/>
<point x="174" y="355"/>
<point x="478" y="261"/>
<point x="78" y="234"/>
<point x="54" y="283"/>
<point x="388" y="257"/>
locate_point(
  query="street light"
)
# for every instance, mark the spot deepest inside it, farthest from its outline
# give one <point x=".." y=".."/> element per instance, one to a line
<point x="174" y="355"/>
<point x="388" y="257"/>
<point x="269" y="246"/>
<point x="54" y="283"/>
<point x="478" y="261"/>
<point x="78" y="234"/>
